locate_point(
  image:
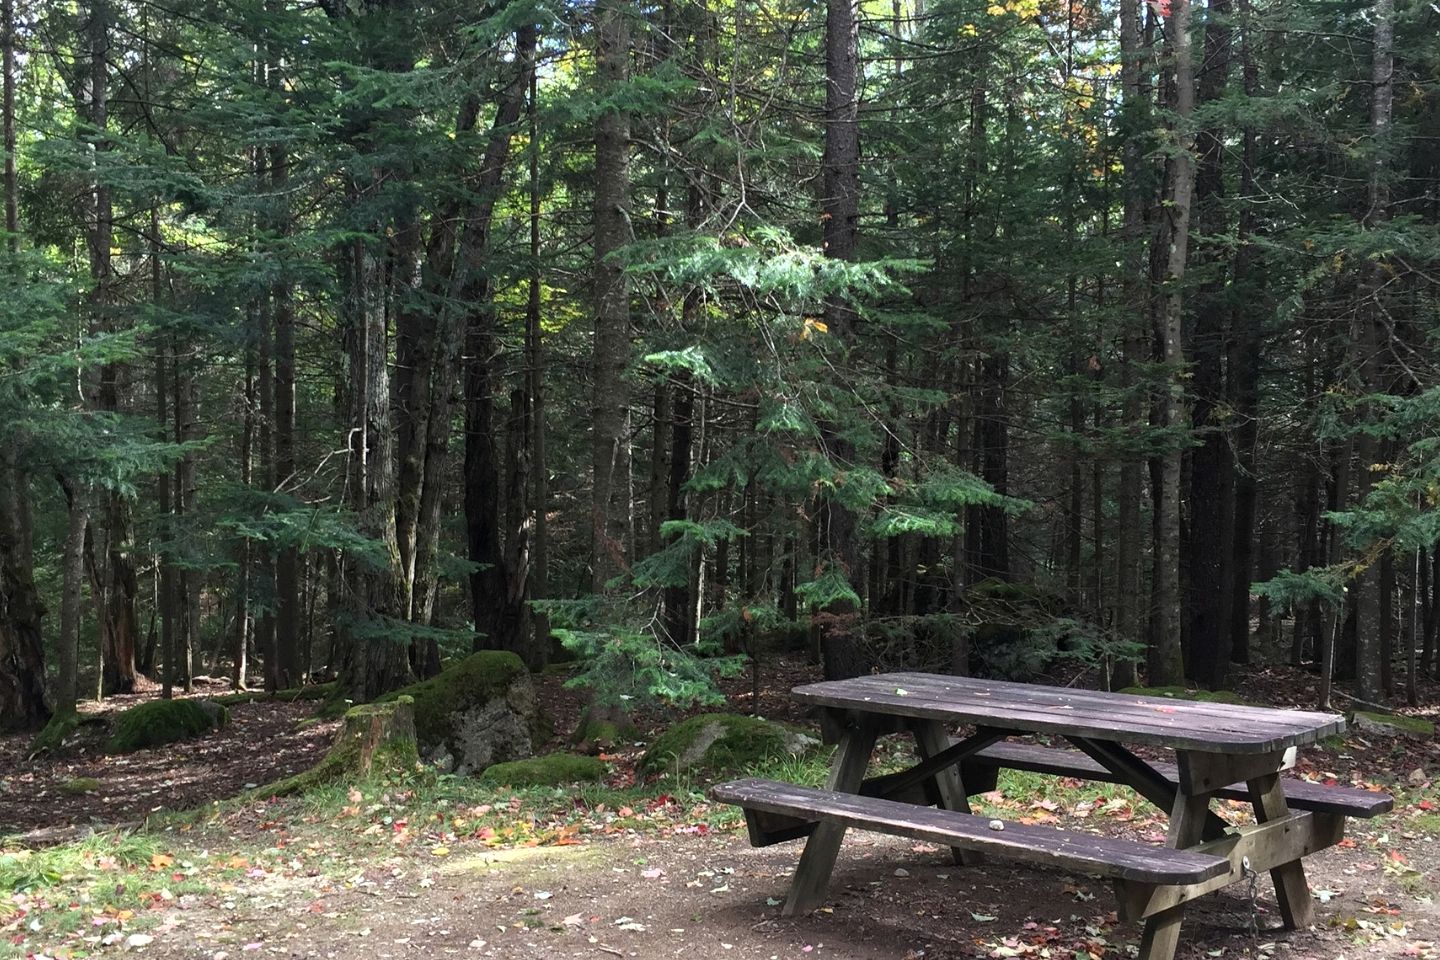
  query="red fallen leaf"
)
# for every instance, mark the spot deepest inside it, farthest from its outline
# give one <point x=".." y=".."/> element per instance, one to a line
<point x="1426" y="805"/>
<point x="1347" y="844"/>
<point x="318" y="906"/>
<point x="1397" y="856"/>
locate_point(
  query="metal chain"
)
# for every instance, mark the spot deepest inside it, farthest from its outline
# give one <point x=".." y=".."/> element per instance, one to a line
<point x="1253" y="878"/>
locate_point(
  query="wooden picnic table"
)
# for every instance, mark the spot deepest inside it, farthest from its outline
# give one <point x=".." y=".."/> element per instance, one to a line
<point x="1221" y="750"/>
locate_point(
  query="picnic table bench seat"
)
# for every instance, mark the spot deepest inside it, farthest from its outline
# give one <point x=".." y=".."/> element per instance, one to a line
<point x="1082" y="853"/>
<point x="1299" y="794"/>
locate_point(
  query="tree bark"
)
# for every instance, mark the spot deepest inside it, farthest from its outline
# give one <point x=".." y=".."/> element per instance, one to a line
<point x="1129" y="615"/>
<point x="1370" y="342"/>
<point x="1165" y="664"/>
<point x="610" y="408"/>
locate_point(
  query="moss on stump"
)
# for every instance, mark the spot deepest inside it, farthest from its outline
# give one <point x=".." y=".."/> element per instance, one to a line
<point x="159" y="722"/>
<point x="376" y="742"/>
<point x="479" y="712"/>
<point x="722" y="743"/>
<point x="551" y="770"/>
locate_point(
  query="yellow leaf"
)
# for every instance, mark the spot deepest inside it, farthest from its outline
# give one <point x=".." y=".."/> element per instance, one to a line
<point x="160" y="861"/>
<point x="439" y="851"/>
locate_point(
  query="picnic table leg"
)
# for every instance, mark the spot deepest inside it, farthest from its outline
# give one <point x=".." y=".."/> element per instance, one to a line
<point x="812" y="876"/>
<point x="1187" y="827"/>
<point x="930" y="739"/>
<point x="1292" y="891"/>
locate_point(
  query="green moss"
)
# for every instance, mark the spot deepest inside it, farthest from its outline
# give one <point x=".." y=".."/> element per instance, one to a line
<point x="52" y="737"/>
<point x="551" y="770"/>
<point x="721" y="743"/>
<point x="394" y="755"/>
<point x="163" y="721"/>
<point x="79" y="785"/>
<point x="1417" y="726"/>
<point x="478" y="678"/>
<point x="1181" y="693"/>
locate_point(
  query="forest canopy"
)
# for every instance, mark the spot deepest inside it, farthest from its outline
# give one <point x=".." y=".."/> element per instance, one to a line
<point x="342" y="339"/>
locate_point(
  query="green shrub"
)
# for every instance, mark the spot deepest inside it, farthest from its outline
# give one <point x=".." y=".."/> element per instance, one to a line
<point x="159" y="722"/>
<point x="80" y="785"/>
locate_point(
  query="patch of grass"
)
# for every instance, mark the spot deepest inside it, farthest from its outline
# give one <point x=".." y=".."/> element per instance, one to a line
<point x="24" y="870"/>
<point x="1426" y="823"/>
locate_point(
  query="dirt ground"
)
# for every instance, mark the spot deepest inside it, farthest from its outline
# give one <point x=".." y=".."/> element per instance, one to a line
<point x="713" y="896"/>
<point x="296" y="887"/>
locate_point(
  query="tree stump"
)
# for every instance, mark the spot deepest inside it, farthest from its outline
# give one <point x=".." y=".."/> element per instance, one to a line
<point x="376" y="741"/>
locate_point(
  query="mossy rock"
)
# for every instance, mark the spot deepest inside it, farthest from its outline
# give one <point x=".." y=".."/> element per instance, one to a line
<point x="722" y="743"/>
<point x="1181" y="693"/>
<point x="550" y="770"/>
<point x="159" y="722"/>
<point x="476" y="713"/>
<point x="1391" y="724"/>
<point x="376" y="742"/>
<point x="76" y="786"/>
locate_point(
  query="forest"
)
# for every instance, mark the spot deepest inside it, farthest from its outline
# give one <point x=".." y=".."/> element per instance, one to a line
<point x="1009" y="337"/>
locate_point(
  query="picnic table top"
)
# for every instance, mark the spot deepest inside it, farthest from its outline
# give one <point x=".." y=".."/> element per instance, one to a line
<point x="1032" y="708"/>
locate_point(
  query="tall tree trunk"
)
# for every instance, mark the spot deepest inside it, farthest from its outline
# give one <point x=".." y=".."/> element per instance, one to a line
<point x="1129" y="614"/>
<point x="1211" y="476"/>
<point x="610" y="407"/>
<point x="535" y="378"/>
<point x="1165" y="662"/>
<point x="72" y="578"/>
<point x="288" y="612"/>
<point x="240" y="642"/>
<point x="23" y="703"/>
<point x="1371" y="342"/>
<point x="499" y="585"/>
<point x="840" y="649"/>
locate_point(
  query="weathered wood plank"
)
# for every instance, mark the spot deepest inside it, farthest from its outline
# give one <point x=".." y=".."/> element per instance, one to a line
<point x="1301" y="794"/>
<point x="1189" y="820"/>
<point x="1184" y="724"/>
<point x="1208" y="772"/>
<point x="1267" y="845"/>
<point x="1292" y="891"/>
<point x="847" y="770"/>
<point x="933" y="743"/>
<point x="1080" y="852"/>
